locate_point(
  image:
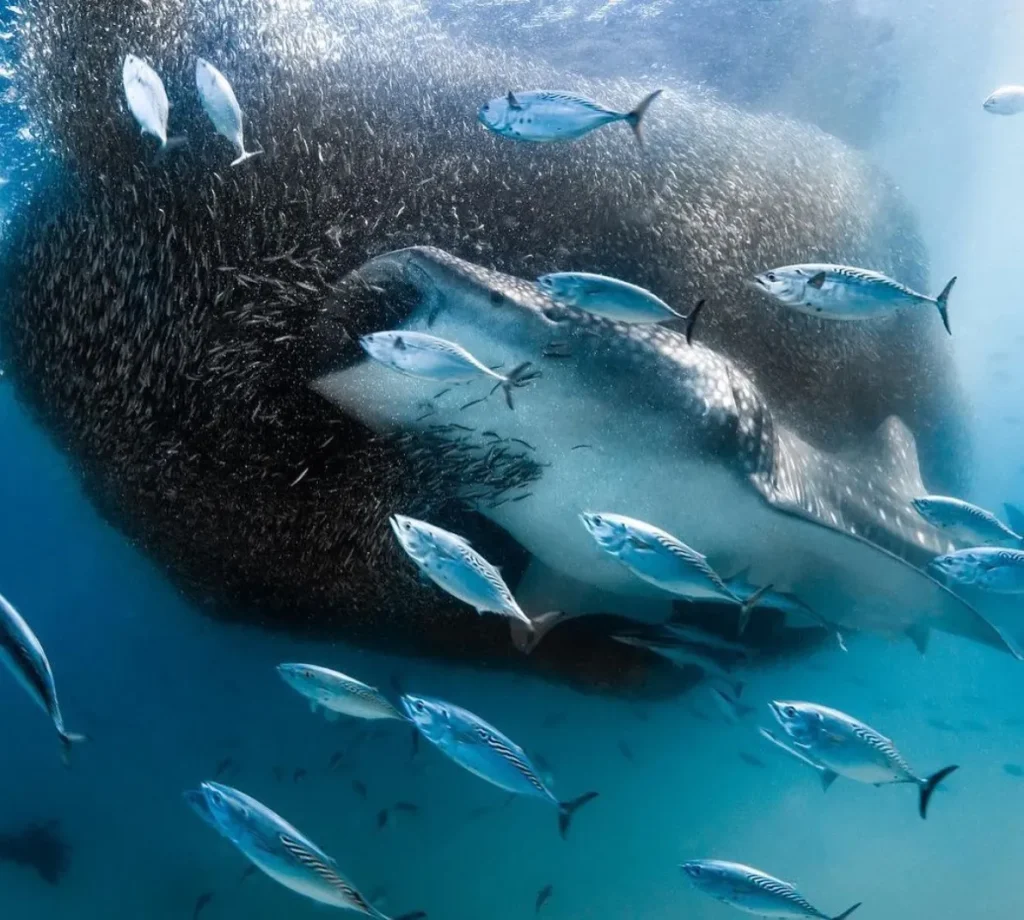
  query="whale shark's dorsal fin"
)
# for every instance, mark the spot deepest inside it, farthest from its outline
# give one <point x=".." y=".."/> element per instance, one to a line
<point x="894" y="446"/>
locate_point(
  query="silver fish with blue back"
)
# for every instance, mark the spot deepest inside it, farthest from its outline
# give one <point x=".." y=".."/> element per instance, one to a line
<point x="845" y="746"/>
<point x="545" y="116"/>
<point x="753" y="891"/>
<point x="966" y="523"/>
<point x="277" y="848"/>
<point x="608" y="297"/>
<point x="24" y="657"/>
<point x="479" y="747"/>
<point x="337" y="693"/>
<point x="845" y="292"/>
<point x="989" y="568"/>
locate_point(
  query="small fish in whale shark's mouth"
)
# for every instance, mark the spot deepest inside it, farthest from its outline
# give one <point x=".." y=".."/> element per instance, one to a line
<point x="674" y="434"/>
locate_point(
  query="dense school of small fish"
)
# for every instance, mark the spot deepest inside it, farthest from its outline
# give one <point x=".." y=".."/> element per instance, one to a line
<point x="834" y="744"/>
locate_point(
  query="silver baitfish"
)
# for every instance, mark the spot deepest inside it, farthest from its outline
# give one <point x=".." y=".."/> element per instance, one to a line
<point x="1007" y="100"/>
<point x="753" y="891"/>
<point x="483" y="750"/>
<point x="24" y="657"/>
<point x="608" y="297"/>
<point x="543" y="116"/>
<point x="417" y="354"/>
<point x="844" y="292"/>
<point x="990" y="568"/>
<point x="731" y="708"/>
<point x="683" y="657"/>
<point x="147" y="100"/>
<point x="844" y="746"/>
<point x="966" y="523"/>
<point x="697" y="636"/>
<point x="454" y="566"/>
<point x="278" y="849"/>
<point x="663" y="560"/>
<point x="337" y="693"/>
<point x="220" y="104"/>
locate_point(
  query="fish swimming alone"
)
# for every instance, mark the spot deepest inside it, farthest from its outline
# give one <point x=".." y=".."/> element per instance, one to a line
<point x="220" y="104"/>
<point x="417" y="354"/>
<point x="24" y="657"/>
<point x="454" y="566"/>
<point x="990" y="568"/>
<point x="718" y="466"/>
<point x="147" y="100"/>
<point x="1007" y="100"/>
<point x="608" y="297"/>
<point x="753" y="891"/>
<point x="544" y="116"/>
<point x="844" y="292"/>
<point x="337" y="693"/>
<point x="683" y="657"/>
<point x="966" y="523"/>
<point x="278" y="849"/>
<point x="844" y="746"/>
<point x="483" y="750"/>
<point x="663" y="560"/>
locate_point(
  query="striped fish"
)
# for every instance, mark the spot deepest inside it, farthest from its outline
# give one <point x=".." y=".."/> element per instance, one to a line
<point x="337" y="693"/>
<point x="483" y="750"/>
<point x="24" y="657"/>
<point x="843" y="746"/>
<point x="278" y="849"/>
<point x="990" y="568"/>
<point x="966" y="523"/>
<point x="753" y="891"/>
<point x="453" y="565"/>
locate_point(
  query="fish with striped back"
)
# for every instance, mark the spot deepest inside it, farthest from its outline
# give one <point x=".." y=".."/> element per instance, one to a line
<point x="278" y="849"/>
<point x="844" y="292"/>
<point x="988" y="568"/>
<point x="966" y="523"/>
<point x="480" y="748"/>
<point x="337" y="693"/>
<point x="664" y="561"/>
<point x="24" y="657"/>
<point x="845" y="746"/>
<point x="753" y="891"/>
<point x="545" y="116"/>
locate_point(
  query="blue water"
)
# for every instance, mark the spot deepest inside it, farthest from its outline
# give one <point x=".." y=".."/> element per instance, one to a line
<point x="167" y="695"/>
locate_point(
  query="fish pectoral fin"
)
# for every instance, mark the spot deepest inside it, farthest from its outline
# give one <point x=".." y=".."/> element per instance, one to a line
<point x="313" y="706"/>
<point x="638" y="543"/>
<point x="331" y="716"/>
<point x="919" y="635"/>
<point x="828" y="777"/>
<point x="816" y="281"/>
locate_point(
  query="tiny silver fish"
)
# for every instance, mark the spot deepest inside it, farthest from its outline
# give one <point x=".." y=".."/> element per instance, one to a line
<point x="989" y="568"/>
<point x="454" y="566"/>
<point x="544" y="116"/>
<point x="608" y="297"/>
<point x="337" y="693"/>
<point x="147" y="100"/>
<point x="697" y="636"/>
<point x="729" y="706"/>
<point x="966" y="523"/>
<point x="845" y="746"/>
<point x="220" y="104"/>
<point x="24" y="657"/>
<point x="417" y="354"/>
<point x="1007" y="100"/>
<point x="753" y="891"/>
<point x="480" y="748"/>
<point x="844" y="292"/>
<point x="663" y="560"/>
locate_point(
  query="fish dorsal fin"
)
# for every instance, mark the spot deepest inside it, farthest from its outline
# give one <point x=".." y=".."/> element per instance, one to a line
<point x="513" y="103"/>
<point x="896" y="448"/>
<point x="817" y="280"/>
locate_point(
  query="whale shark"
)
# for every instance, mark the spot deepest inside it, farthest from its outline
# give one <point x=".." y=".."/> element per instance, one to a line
<point x="635" y="420"/>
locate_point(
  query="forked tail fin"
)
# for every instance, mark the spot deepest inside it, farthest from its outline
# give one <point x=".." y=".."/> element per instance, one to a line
<point x="941" y="302"/>
<point x="246" y="156"/>
<point x="635" y="117"/>
<point x="846" y="913"/>
<point x="519" y="376"/>
<point x="169" y="146"/>
<point x="67" y="739"/>
<point x="929" y="786"/>
<point x="566" y="810"/>
<point x="749" y="604"/>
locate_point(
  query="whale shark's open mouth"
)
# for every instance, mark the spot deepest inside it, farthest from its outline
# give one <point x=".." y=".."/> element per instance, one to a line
<point x="633" y="420"/>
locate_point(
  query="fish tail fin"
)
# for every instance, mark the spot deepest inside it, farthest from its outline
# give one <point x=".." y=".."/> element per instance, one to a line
<point x="526" y="636"/>
<point x="941" y="302"/>
<point x="929" y="786"/>
<point x="566" y="810"/>
<point x="636" y="116"/>
<point x="749" y="604"/>
<point x="519" y="376"/>
<point x="245" y="156"/>
<point x="846" y="913"/>
<point x="168" y="147"/>
<point x="67" y="741"/>
<point x="691" y="320"/>
<point x="1014" y="517"/>
<point x="412" y="915"/>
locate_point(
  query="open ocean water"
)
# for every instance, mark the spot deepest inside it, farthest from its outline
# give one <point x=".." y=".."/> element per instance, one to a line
<point x="170" y="697"/>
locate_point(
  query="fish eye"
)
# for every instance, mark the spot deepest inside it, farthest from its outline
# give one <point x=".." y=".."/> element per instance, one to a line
<point x="695" y="870"/>
<point x="419" y="706"/>
<point x="771" y="276"/>
<point x="486" y="107"/>
<point x="790" y="711"/>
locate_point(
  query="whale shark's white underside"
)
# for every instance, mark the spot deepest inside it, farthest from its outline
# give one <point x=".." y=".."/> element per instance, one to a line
<point x="633" y="420"/>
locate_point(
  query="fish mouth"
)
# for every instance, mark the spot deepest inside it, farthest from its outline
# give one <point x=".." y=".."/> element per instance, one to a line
<point x="776" y="710"/>
<point x="692" y="869"/>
